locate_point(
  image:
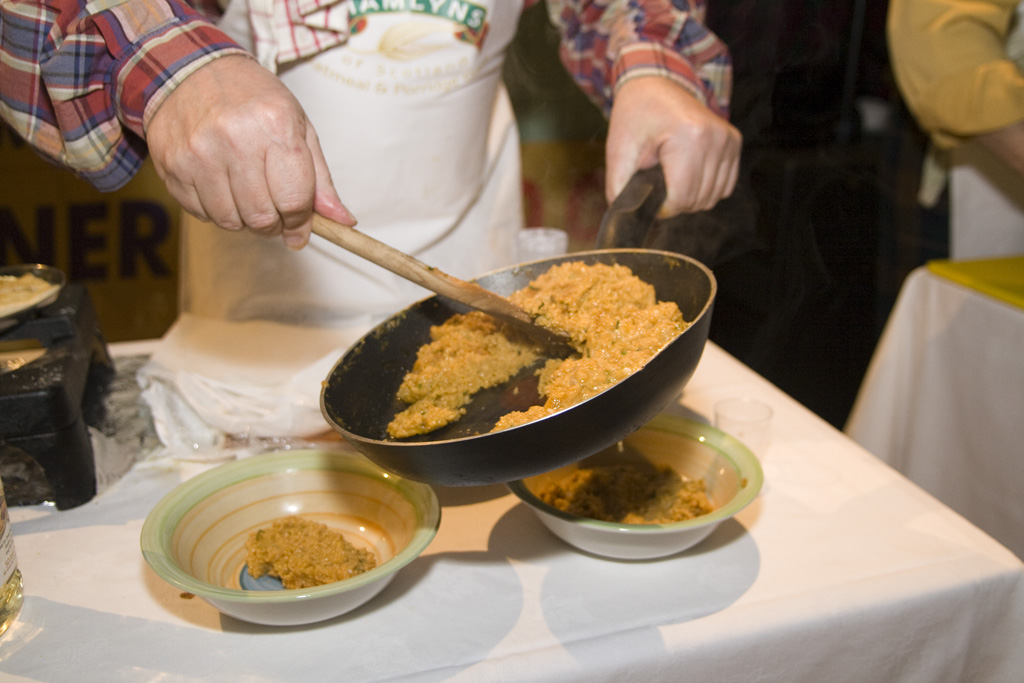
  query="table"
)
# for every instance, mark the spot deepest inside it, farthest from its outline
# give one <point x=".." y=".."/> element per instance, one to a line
<point x="942" y="398"/>
<point x="842" y="570"/>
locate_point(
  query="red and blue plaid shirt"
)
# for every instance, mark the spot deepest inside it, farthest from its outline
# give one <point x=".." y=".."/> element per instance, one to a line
<point x="80" y="80"/>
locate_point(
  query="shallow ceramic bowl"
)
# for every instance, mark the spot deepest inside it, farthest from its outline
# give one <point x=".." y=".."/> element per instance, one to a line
<point x="731" y="473"/>
<point x="195" y="536"/>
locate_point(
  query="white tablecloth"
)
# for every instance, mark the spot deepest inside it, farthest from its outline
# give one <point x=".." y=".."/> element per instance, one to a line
<point x="842" y="570"/>
<point x="943" y="400"/>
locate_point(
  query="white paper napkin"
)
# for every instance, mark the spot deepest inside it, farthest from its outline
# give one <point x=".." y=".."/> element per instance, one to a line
<point x="210" y="378"/>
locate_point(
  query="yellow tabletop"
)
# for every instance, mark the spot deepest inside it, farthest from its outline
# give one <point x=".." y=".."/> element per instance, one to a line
<point x="1002" y="278"/>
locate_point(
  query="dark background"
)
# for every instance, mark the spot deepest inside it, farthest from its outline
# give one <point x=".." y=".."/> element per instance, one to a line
<point x="811" y="249"/>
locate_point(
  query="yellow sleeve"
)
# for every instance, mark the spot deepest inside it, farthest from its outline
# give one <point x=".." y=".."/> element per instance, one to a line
<point x="950" y="61"/>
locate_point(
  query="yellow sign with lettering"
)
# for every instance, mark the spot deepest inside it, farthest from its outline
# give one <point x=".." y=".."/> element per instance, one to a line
<point x="123" y="246"/>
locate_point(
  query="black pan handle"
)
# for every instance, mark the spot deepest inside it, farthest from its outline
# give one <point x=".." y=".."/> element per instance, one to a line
<point x="633" y="212"/>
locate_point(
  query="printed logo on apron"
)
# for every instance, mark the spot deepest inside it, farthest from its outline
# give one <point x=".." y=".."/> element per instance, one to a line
<point x="412" y="48"/>
<point x="471" y="18"/>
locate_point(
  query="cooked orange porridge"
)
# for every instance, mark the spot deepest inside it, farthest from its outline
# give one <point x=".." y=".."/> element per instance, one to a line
<point x="628" y="494"/>
<point x="612" y="317"/>
<point x="303" y="553"/>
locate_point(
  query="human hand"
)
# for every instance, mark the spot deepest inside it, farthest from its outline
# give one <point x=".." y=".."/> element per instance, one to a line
<point x="234" y="147"/>
<point x="1008" y="144"/>
<point x="655" y="120"/>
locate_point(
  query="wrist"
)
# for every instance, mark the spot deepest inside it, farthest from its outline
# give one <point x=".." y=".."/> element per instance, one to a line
<point x="155" y="66"/>
<point x="161" y="95"/>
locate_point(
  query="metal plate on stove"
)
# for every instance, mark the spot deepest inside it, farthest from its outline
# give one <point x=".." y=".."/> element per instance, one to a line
<point x="12" y="314"/>
<point x="18" y="353"/>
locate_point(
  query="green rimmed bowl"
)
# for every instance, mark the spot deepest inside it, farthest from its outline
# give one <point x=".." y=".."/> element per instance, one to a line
<point x="731" y="472"/>
<point x="194" y="538"/>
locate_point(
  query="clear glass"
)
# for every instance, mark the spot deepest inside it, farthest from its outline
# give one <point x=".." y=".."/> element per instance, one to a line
<point x="534" y="244"/>
<point x="747" y="419"/>
<point x="11" y="595"/>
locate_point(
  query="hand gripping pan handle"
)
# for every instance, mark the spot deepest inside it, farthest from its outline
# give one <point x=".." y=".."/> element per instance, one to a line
<point x="629" y="218"/>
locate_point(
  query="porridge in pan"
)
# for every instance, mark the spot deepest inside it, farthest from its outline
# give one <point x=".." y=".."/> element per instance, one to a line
<point x="613" y="318"/>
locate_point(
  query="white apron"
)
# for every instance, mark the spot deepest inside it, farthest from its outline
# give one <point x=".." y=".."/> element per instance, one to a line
<point x="420" y="138"/>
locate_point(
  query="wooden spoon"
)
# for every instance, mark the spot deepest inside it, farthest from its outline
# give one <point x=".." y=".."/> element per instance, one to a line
<point x="437" y="281"/>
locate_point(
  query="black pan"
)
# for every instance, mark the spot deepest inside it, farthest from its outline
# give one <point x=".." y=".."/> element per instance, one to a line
<point x="358" y="397"/>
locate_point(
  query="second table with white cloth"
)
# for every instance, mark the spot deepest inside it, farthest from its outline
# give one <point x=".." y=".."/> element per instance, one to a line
<point x="943" y="397"/>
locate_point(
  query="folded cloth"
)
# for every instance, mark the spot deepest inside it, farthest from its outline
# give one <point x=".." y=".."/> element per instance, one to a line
<point x="209" y="378"/>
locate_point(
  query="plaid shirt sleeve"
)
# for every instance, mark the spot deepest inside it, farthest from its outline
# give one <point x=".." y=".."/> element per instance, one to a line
<point x="80" y="80"/>
<point x="605" y="43"/>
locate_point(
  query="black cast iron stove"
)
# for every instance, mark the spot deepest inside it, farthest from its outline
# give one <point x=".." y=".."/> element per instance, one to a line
<point x="54" y="369"/>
